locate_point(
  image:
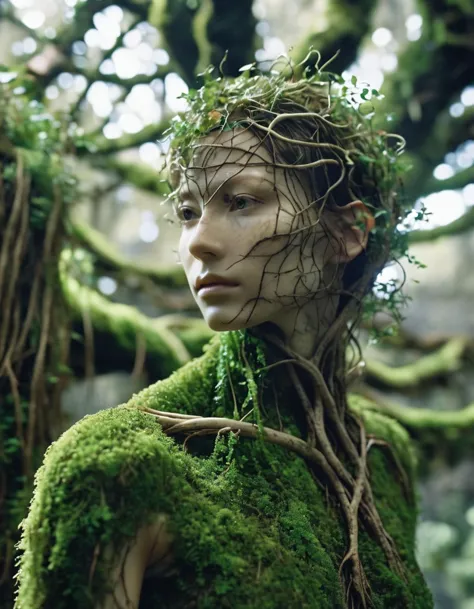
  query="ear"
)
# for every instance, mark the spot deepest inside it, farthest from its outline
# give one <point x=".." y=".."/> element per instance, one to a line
<point x="349" y="227"/>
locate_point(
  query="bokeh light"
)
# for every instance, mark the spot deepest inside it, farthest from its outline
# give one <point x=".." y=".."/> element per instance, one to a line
<point x="174" y="87"/>
<point x="107" y="285"/>
<point x="381" y="36"/>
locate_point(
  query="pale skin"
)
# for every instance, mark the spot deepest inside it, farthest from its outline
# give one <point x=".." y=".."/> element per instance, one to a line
<point x="152" y="548"/>
<point x="227" y="207"/>
<point x="230" y="198"/>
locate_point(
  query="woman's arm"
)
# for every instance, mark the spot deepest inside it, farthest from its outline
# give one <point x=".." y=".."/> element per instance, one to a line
<point x="100" y="483"/>
<point x="152" y="548"/>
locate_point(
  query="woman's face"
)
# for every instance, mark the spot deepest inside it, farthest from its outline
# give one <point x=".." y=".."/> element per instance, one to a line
<point x="232" y="197"/>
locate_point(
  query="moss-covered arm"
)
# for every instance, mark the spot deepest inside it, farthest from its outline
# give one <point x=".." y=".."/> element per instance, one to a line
<point x="100" y="483"/>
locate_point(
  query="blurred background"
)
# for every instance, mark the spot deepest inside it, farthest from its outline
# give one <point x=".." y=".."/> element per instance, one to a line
<point x="113" y="73"/>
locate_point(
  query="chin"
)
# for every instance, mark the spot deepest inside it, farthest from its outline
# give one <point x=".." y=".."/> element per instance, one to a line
<point x="223" y="321"/>
<point x="219" y="325"/>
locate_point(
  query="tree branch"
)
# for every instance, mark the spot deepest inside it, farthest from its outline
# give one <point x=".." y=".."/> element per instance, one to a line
<point x="431" y="71"/>
<point x="197" y="37"/>
<point x="168" y="341"/>
<point x="458" y="180"/>
<point x="444" y="360"/>
<point x="446" y="135"/>
<point x="140" y="175"/>
<point x="439" y="436"/>
<point x="94" y="241"/>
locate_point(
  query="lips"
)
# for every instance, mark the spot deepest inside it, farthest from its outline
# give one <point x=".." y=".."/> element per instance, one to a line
<point x="208" y="285"/>
<point x="220" y="283"/>
<point x="213" y="280"/>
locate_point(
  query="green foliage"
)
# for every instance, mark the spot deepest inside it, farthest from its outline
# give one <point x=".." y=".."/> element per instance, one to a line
<point x="42" y="140"/>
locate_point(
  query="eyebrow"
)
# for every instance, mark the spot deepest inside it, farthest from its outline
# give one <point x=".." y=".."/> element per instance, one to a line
<point x="185" y="192"/>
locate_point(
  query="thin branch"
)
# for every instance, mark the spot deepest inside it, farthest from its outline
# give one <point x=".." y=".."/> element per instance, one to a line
<point x="142" y="176"/>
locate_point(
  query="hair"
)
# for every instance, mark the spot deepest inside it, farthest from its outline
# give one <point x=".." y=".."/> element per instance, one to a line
<point x="317" y="129"/>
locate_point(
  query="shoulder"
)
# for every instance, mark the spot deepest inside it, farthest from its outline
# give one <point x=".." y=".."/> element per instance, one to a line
<point x="189" y="389"/>
<point x="114" y="451"/>
<point x="104" y="479"/>
<point x="108" y="440"/>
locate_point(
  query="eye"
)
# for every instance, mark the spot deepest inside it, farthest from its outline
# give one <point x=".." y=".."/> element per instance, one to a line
<point x="240" y="201"/>
<point x="180" y="214"/>
<point x="183" y="212"/>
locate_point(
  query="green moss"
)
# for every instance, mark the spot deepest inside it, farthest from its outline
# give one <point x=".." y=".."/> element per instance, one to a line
<point x="251" y="527"/>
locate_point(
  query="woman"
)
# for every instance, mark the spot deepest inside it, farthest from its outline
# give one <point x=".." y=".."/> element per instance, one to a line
<point x="245" y="479"/>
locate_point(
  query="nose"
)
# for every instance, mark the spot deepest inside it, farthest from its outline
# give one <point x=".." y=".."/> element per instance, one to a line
<point x="207" y="239"/>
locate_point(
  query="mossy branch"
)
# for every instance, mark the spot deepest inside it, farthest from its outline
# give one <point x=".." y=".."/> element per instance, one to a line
<point x="168" y="349"/>
<point x="439" y="436"/>
<point x="128" y="83"/>
<point x="140" y="175"/>
<point x="445" y="360"/>
<point x="404" y="338"/>
<point x="446" y="135"/>
<point x="174" y="18"/>
<point x="458" y="180"/>
<point x="425" y="82"/>
<point x="94" y="241"/>
<point x="201" y="35"/>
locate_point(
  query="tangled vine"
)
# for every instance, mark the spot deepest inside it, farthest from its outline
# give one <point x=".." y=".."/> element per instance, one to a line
<point x="318" y="128"/>
<point x="35" y="329"/>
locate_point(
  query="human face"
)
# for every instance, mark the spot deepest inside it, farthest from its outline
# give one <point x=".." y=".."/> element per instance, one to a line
<point x="240" y="221"/>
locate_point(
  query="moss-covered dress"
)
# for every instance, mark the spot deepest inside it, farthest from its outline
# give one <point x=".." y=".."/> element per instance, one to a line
<point x="251" y="527"/>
